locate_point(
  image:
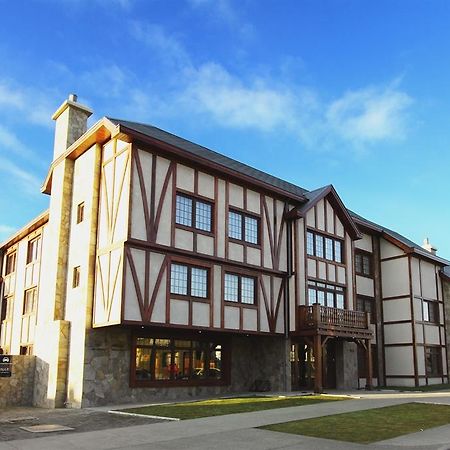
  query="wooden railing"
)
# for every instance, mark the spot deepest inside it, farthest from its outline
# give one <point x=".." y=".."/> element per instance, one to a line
<point x="315" y="316"/>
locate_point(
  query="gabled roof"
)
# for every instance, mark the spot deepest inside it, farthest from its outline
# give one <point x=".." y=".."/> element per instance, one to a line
<point x="209" y="155"/>
<point x="332" y="196"/>
<point x="397" y="239"/>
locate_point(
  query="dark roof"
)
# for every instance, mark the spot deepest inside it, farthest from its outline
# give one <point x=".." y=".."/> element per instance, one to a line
<point x="229" y="163"/>
<point x="211" y="155"/>
<point x="416" y="247"/>
<point x="446" y="271"/>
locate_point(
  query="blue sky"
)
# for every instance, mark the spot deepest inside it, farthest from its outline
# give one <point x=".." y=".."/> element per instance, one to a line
<point x="349" y="92"/>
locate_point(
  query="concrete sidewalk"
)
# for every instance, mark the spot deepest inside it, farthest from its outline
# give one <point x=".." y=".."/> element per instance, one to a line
<point x="236" y="431"/>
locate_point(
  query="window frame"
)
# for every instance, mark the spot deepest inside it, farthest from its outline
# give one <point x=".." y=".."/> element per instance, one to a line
<point x="362" y="254"/>
<point x="33" y="252"/>
<point x="437" y="371"/>
<point x="244" y="215"/>
<point x="239" y="289"/>
<point x="433" y="311"/>
<point x="76" y="276"/>
<point x="11" y="255"/>
<point x="367" y="300"/>
<point x="323" y="287"/>
<point x="80" y="212"/>
<point x="25" y="309"/>
<point x="316" y="235"/>
<point x="189" y="295"/>
<point x="195" y="199"/>
<point x="223" y="341"/>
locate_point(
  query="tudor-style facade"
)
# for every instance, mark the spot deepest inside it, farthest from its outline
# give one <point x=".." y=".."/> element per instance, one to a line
<point x="171" y="270"/>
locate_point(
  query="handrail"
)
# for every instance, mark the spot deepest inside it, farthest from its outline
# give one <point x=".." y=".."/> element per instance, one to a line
<point x="316" y="315"/>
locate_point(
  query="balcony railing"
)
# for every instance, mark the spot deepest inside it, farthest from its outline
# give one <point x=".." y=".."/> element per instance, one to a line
<point x="318" y="317"/>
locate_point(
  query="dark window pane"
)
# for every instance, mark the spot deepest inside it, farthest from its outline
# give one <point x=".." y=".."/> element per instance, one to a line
<point x="321" y="297"/>
<point x="231" y="288"/>
<point x="199" y="282"/>
<point x="329" y="249"/>
<point x="358" y="263"/>
<point x="183" y="211"/>
<point x="248" y="290"/>
<point x="251" y="230"/>
<point x="310" y="243"/>
<point x="178" y="279"/>
<point x="234" y="225"/>
<point x="162" y="364"/>
<point x="366" y="265"/>
<point x="319" y="246"/>
<point x="337" y="251"/>
<point x="312" y="296"/>
<point x="143" y="357"/>
<point x="203" y="216"/>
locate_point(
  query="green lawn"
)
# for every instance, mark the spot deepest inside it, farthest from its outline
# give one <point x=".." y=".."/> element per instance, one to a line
<point x="221" y="406"/>
<point x="370" y="425"/>
<point x="430" y="388"/>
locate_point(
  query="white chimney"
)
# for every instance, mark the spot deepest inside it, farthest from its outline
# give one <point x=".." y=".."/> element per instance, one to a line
<point x="71" y="122"/>
<point x="428" y="247"/>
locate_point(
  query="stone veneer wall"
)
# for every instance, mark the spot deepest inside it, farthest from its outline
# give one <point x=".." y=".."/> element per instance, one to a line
<point x="107" y="369"/>
<point x="17" y="390"/>
<point x="346" y="365"/>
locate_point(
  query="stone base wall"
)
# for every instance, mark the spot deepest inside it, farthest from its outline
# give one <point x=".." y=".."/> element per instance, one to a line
<point x="107" y="369"/>
<point x="346" y="365"/>
<point x="17" y="390"/>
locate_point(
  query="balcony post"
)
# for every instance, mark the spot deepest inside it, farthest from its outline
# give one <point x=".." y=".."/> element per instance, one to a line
<point x="316" y="313"/>
<point x="369" y="385"/>
<point x="317" y="363"/>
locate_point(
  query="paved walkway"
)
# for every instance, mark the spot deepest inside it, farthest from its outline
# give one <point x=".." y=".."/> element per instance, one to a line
<point x="237" y="431"/>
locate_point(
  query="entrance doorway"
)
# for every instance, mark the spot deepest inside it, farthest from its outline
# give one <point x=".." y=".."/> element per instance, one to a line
<point x="303" y="365"/>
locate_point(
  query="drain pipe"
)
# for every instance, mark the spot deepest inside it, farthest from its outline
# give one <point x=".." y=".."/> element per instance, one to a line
<point x="287" y="297"/>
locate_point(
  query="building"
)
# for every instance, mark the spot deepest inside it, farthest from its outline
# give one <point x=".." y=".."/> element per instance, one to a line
<point x="164" y="269"/>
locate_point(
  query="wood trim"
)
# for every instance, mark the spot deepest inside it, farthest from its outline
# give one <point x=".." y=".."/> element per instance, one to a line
<point x="411" y="291"/>
<point x="391" y="258"/>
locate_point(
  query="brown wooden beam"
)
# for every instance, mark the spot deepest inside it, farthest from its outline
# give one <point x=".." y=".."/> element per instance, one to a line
<point x="318" y="388"/>
<point x="369" y="384"/>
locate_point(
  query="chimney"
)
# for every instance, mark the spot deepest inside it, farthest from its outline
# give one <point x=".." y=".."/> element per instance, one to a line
<point x="428" y="247"/>
<point x="71" y="122"/>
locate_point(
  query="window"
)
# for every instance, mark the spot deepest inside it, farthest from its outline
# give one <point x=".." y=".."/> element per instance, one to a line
<point x="178" y="360"/>
<point x="189" y="281"/>
<point x="10" y="263"/>
<point x="243" y="227"/>
<point x="193" y="213"/>
<point x="30" y="301"/>
<point x="80" y="212"/>
<point x="76" y="277"/>
<point x="433" y="361"/>
<point x="362" y="362"/>
<point x="324" y="247"/>
<point x="363" y="264"/>
<point x="430" y="311"/>
<point x="26" y="350"/>
<point x="325" y="294"/>
<point x="7" y="309"/>
<point x="33" y="250"/>
<point x="366" y="304"/>
<point x="239" y="289"/>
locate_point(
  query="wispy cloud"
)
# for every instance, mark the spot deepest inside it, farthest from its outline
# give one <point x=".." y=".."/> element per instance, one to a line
<point x="370" y="114"/>
<point x="25" y="180"/>
<point x="360" y="117"/>
<point x="35" y="105"/>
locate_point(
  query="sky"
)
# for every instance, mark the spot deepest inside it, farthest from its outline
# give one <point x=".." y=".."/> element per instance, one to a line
<point x="353" y="93"/>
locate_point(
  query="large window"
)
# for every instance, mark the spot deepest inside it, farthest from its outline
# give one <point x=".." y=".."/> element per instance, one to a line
<point x="363" y="264"/>
<point x="325" y="294"/>
<point x="33" y="250"/>
<point x="366" y="304"/>
<point x="433" y="361"/>
<point x="10" y="263"/>
<point x="240" y="289"/>
<point x="172" y="360"/>
<point x="243" y="227"/>
<point x="193" y="213"/>
<point x="188" y="280"/>
<point x="30" y="301"/>
<point x="324" y="247"/>
<point x="430" y="311"/>
<point x="7" y="308"/>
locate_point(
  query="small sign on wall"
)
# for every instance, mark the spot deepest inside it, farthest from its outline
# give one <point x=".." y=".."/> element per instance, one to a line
<point x="5" y="365"/>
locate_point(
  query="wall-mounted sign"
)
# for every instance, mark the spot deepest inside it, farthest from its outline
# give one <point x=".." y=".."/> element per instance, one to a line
<point x="5" y="365"/>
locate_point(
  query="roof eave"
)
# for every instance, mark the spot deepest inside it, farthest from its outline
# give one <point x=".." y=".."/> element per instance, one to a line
<point x="99" y="133"/>
<point x="136" y="135"/>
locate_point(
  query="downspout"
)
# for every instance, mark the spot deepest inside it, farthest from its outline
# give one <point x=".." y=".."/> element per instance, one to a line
<point x="287" y="300"/>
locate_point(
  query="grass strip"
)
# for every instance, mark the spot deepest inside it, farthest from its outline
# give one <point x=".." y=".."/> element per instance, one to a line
<point x="370" y="425"/>
<point x="221" y="406"/>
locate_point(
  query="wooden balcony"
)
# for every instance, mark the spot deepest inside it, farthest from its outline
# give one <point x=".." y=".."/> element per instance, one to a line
<point x="323" y="320"/>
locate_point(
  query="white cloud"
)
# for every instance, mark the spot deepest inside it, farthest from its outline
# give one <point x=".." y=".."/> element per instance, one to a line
<point x="6" y="229"/>
<point x="35" y="105"/>
<point x="25" y="180"/>
<point x="369" y="114"/>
